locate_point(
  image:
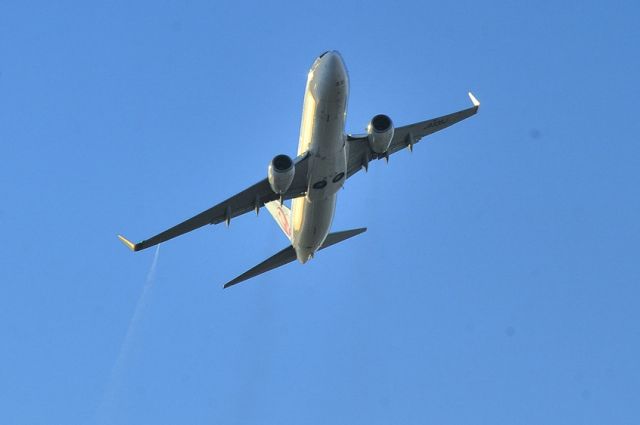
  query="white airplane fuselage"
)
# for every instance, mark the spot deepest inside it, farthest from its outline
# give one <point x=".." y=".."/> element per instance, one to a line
<point x="322" y="135"/>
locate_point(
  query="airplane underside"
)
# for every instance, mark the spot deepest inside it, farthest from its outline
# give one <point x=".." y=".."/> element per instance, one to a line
<point x="327" y="157"/>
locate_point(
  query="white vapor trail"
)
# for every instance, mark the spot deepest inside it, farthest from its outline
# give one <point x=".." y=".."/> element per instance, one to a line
<point x="109" y="398"/>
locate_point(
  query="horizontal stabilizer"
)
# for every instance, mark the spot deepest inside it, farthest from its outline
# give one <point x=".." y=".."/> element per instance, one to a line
<point x="288" y="254"/>
<point x="283" y="257"/>
<point x="334" y="238"/>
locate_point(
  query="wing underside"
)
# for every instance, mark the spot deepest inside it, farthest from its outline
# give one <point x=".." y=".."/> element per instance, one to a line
<point x="250" y="199"/>
<point x="360" y="153"/>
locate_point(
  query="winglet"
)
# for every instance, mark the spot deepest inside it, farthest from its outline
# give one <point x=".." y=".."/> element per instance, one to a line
<point x="128" y="243"/>
<point x="475" y="101"/>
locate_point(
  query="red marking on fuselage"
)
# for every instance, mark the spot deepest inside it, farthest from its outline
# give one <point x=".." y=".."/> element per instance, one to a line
<point x="284" y="221"/>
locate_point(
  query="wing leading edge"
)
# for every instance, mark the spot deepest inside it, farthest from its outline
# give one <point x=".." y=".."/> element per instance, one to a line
<point x="250" y="199"/>
<point x="403" y="137"/>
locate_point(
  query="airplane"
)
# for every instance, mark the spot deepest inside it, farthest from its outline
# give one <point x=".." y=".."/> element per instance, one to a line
<point x="326" y="158"/>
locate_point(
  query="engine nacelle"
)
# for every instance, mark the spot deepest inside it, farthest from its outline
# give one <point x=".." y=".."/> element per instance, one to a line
<point x="380" y="132"/>
<point x="281" y="172"/>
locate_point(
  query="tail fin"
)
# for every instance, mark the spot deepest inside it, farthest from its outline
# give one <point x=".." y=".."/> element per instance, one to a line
<point x="288" y="254"/>
<point x="282" y="215"/>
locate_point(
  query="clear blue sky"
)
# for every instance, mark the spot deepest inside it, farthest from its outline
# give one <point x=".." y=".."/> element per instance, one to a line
<point x="499" y="280"/>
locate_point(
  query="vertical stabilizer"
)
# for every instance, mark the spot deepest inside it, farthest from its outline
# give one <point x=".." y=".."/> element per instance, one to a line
<point x="282" y="215"/>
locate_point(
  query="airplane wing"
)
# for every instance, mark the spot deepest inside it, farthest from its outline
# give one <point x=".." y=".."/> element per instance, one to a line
<point x="250" y="199"/>
<point x="360" y="153"/>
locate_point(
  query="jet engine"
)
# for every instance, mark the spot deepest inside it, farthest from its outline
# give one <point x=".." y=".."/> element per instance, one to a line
<point x="380" y="133"/>
<point x="281" y="172"/>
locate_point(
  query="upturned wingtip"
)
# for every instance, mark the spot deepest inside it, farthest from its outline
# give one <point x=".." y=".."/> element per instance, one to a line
<point x="128" y="243"/>
<point x="474" y="100"/>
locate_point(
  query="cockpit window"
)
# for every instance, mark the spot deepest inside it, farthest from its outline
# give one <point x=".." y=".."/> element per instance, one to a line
<point x="323" y="54"/>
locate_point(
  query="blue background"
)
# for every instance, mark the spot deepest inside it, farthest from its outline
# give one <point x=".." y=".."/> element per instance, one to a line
<point x="499" y="279"/>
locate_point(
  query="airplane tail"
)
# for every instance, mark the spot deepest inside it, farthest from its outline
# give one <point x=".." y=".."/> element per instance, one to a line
<point x="282" y="215"/>
<point x="288" y="254"/>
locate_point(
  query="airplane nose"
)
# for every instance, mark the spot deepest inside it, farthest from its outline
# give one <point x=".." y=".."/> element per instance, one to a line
<point x="333" y="65"/>
<point x="332" y="59"/>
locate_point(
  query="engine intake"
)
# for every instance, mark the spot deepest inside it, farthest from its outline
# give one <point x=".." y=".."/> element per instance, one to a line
<point x="380" y="132"/>
<point x="281" y="171"/>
